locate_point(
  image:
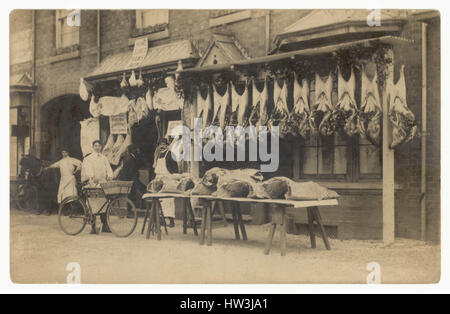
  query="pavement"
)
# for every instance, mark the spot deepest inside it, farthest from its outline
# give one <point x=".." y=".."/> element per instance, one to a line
<point x="41" y="253"/>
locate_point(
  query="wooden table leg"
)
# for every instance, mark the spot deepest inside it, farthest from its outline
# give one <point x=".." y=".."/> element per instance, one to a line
<point x="185" y="219"/>
<point x="191" y="216"/>
<point x="209" y="225"/>
<point x="240" y="221"/>
<point x="151" y="219"/>
<point x="203" y="228"/>
<point x="157" y="220"/>
<point x="312" y="233"/>
<point x="270" y="239"/>
<point x="147" y="214"/>
<point x="163" y="218"/>
<point x="235" y="223"/>
<point x="221" y="207"/>
<point x="283" y="232"/>
<point x="319" y="221"/>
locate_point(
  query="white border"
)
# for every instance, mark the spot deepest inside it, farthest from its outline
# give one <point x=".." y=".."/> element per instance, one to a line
<point x="7" y="287"/>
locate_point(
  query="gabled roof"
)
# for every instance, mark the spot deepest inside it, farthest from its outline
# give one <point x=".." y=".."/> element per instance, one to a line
<point x="157" y="56"/>
<point x="328" y="23"/>
<point x="223" y="49"/>
<point x="21" y="83"/>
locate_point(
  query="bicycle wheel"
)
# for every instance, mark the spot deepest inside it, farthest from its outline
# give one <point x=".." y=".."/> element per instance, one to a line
<point x="26" y="197"/>
<point x="72" y="216"/>
<point x="121" y="216"/>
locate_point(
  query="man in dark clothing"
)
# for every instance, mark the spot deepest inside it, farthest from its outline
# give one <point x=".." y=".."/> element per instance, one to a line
<point x="130" y="172"/>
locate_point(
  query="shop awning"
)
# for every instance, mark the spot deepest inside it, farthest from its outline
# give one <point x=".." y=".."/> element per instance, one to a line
<point x="313" y="28"/>
<point x="388" y="40"/>
<point x="156" y="58"/>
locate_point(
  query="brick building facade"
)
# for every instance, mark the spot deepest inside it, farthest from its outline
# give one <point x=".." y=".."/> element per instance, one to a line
<point x="56" y="71"/>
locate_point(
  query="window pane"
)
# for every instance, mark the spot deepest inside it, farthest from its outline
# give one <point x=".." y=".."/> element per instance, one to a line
<point x="154" y="17"/>
<point x="340" y="160"/>
<point x="325" y="159"/>
<point x="310" y="160"/>
<point x="369" y="162"/>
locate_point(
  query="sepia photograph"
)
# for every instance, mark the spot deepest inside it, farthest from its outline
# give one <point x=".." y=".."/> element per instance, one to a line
<point x="225" y="146"/>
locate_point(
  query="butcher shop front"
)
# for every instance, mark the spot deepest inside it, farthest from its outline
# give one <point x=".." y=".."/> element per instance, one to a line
<point x="337" y="113"/>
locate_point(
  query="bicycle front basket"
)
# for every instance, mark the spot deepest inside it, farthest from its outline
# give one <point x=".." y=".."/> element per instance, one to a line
<point x="116" y="187"/>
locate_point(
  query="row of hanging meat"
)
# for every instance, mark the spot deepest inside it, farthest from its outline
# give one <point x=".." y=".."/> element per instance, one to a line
<point x="322" y="116"/>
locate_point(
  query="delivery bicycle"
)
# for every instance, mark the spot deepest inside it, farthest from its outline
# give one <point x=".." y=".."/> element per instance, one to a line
<point x="75" y="212"/>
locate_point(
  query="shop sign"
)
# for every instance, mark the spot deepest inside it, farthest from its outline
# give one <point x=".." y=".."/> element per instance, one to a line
<point x="118" y="124"/>
<point x="139" y="52"/>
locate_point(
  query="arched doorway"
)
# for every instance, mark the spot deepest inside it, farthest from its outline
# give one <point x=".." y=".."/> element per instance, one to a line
<point x="60" y="125"/>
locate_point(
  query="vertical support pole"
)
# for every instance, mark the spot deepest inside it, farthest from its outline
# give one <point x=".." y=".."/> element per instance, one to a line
<point x="194" y="165"/>
<point x="267" y="31"/>
<point x="296" y="165"/>
<point x="423" y="181"/>
<point x="388" y="165"/>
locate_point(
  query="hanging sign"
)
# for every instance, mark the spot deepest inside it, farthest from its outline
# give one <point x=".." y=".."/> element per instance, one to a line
<point x="139" y="52"/>
<point x="118" y="124"/>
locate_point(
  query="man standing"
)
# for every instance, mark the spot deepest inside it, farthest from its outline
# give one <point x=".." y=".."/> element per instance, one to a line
<point x="96" y="169"/>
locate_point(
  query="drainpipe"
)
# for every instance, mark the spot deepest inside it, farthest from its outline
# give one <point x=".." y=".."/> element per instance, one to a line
<point x="33" y="78"/>
<point x="423" y="179"/>
<point x="99" y="51"/>
<point x="267" y="31"/>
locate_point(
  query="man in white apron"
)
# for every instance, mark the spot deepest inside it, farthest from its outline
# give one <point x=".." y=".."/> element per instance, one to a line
<point x="96" y="169"/>
<point x="165" y="165"/>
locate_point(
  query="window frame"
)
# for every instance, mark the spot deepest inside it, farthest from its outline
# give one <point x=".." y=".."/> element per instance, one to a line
<point x="353" y="165"/>
<point x="139" y="16"/>
<point x="60" y="17"/>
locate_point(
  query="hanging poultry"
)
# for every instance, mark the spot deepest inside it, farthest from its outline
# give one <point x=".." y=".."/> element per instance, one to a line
<point x="404" y="127"/>
<point x="345" y="115"/>
<point x="299" y="119"/>
<point x="280" y="114"/>
<point x="370" y="114"/>
<point x="321" y="113"/>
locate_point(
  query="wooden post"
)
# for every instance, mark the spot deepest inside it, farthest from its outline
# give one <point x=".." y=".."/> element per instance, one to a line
<point x="388" y="166"/>
<point x="195" y="165"/>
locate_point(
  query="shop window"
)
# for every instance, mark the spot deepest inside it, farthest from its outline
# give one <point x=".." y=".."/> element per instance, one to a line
<point x="339" y="157"/>
<point x="151" y="21"/>
<point x="67" y="30"/>
<point x="325" y="157"/>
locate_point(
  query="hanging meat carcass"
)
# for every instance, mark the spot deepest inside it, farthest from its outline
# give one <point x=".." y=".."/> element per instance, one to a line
<point x="321" y="112"/>
<point x="123" y="83"/>
<point x="94" y="107"/>
<point x="239" y="107"/>
<point x="84" y="93"/>
<point x="370" y="114"/>
<point x="221" y="108"/>
<point x="132" y="80"/>
<point x="299" y="119"/>
<point x="259" y="114"/>
<point x="204" y="107"/>
<point x="280" y="114"/>
<point x="345" y="115"/>
<point x="404" y="127"/>
<point x="149" y="100"/>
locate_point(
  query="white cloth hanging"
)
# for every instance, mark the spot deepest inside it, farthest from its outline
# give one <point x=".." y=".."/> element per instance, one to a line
<point x="90" y="131"/>
<point x="112" y="106"/>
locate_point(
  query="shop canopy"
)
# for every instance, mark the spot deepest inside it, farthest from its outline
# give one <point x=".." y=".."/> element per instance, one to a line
<point x="313" y="28"/>
<point x="155" y="59"/>
<point x="388" y="40"/>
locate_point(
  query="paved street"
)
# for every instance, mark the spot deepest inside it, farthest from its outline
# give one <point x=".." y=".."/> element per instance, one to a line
<point x="40" y="252"/>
